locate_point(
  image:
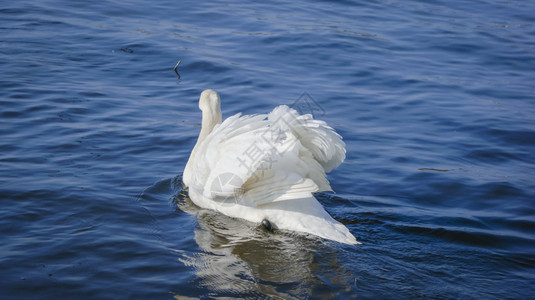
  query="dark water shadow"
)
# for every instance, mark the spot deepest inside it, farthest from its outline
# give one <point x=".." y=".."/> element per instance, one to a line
<point x="235" y="258"/>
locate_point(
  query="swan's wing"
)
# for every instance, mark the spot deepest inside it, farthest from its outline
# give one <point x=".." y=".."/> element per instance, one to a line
<point x="319" y="138"/>
<point x="289" y="172"/>
<point x="216" y="154"/>
<point x="240" y="161"/>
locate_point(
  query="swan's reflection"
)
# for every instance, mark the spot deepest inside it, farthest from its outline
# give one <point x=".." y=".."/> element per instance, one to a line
<point x="241" y="259"/>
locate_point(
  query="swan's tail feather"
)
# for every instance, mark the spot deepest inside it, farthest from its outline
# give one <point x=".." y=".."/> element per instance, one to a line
<point x="308" y="215"/>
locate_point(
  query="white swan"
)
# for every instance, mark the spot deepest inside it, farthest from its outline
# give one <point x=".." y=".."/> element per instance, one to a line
<point x="266" y="167"/>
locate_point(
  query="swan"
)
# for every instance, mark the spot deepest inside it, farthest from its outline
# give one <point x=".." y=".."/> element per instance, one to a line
<point x="265" y="168"/>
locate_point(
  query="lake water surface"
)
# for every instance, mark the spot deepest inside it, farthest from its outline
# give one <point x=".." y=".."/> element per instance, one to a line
<point x="435" y="101"/>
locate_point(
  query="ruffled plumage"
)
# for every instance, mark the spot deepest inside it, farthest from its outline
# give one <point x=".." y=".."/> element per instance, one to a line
<point x="260" y="167"/>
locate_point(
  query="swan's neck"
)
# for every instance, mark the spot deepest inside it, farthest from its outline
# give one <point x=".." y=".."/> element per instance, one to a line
<point x="210" y="105"/>
<point x="209" y="120"/>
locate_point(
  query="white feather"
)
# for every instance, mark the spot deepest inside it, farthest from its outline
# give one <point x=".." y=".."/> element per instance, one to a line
<point x="266" y="167"/>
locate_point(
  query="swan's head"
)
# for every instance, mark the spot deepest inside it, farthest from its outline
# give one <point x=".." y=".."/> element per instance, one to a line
<point x="210" y="101"/>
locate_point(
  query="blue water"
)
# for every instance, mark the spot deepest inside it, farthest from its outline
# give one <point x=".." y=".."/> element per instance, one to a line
<point x="435" y="101"/>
